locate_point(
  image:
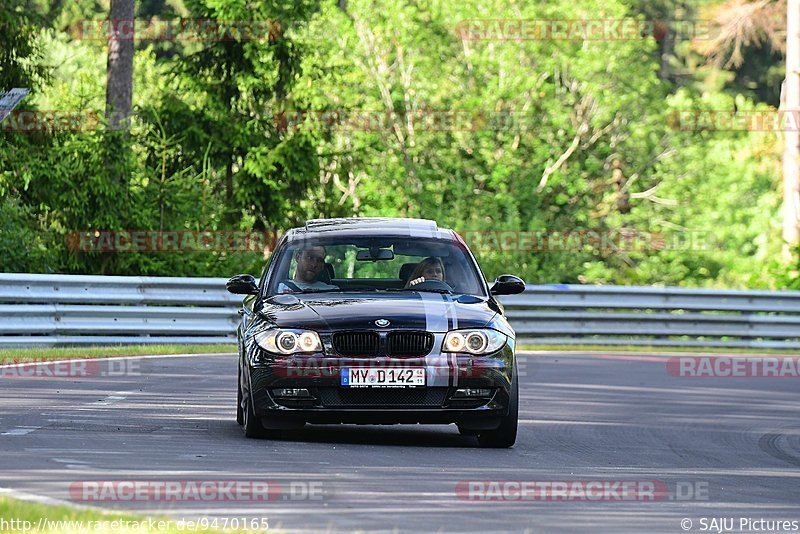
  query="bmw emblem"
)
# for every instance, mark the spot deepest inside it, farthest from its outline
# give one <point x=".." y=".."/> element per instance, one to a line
<point x="382" y="323"/>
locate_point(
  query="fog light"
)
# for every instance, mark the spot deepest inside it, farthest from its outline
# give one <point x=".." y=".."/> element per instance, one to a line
<point x="290" y="392"/>
<point x="484" y="392"/>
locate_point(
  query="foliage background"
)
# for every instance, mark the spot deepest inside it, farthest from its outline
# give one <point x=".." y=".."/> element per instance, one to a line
<point x="208" y="149"/>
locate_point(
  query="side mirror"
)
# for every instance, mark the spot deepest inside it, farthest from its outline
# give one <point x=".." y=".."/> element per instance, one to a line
<point x="507" y="284"/>
<point x="242" y="284"/>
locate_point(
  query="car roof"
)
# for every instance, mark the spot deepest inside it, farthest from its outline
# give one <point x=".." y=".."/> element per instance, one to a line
<point x="367" y="226"/>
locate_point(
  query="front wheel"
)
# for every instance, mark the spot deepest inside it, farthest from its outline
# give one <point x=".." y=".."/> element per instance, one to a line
<point x="506" y="434"/>
<point x="239" y="410"/>
<point x="252" y="425"/>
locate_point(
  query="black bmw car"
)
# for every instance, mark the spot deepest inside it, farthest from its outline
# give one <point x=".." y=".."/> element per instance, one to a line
<point x="376" y="321"/>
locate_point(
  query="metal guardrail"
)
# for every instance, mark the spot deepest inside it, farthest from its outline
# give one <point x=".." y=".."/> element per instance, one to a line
<point x="655" y="316"/>
<point x="10" y="99"/>
<point x="41" y="310"/>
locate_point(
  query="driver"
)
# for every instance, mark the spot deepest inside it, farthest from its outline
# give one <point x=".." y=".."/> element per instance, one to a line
<point x="310" y="264"/>
<point x="428" y="269"/>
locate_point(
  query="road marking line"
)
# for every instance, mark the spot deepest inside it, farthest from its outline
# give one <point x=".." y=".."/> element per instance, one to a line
<point x="115" y="398"/>
<point x="21" y="431"/>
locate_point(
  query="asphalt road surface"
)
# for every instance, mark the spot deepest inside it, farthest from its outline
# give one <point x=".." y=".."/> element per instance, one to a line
<point x="720" y="448"/>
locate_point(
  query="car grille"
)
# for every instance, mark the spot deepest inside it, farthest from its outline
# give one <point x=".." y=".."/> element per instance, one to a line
<point x="356" y="343"/>
<point x="410" y="343"/>
<point x="382" y="397"/>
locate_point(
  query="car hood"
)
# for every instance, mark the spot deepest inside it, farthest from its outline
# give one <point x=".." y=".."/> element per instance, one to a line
<point x="356" y="311"/>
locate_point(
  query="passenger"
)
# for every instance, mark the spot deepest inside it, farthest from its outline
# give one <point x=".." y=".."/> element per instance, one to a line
<point x="428" y="269"/>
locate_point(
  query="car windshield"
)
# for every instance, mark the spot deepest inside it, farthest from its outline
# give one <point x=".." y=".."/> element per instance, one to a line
<point x="375" y="264"/>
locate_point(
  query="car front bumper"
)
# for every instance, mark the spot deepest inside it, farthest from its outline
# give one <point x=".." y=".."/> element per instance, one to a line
<point x="329" y="402"/>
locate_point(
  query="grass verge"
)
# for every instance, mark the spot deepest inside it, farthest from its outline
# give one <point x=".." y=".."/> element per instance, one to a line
<point x="67" y="353"/>
<point x="30" y="516"/>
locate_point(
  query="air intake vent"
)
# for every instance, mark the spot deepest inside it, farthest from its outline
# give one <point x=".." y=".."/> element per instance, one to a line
<point x="356" y="343"/>
<point x="410" y="343"/>
<point x="383" y="397"/>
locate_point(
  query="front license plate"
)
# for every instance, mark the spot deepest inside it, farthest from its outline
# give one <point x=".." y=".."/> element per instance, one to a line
<point x="390" y="378"/>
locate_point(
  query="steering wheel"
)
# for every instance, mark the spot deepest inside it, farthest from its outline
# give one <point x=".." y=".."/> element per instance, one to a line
<point x="432" y="284"/>
<point x="291" y="285"/>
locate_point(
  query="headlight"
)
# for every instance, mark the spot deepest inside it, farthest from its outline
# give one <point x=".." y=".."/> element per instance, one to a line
<point x="482" y="341"/>
<point x="289" y="341"/>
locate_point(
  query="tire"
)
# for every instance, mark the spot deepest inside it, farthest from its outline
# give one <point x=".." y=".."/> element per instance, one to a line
<point x="239" y="410"/>
<point x="506" y="434"/>
<point x="251" y="424"/>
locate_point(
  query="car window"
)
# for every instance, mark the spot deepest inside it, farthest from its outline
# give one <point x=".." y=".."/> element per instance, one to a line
<point x="376" y="263"/>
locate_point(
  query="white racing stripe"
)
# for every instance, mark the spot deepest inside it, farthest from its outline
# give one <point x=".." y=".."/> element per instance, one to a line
<point x="440" y="316"/>
<point x="435" y="312"/>
<point x="452" y="313"/>
<point x="418" y="230"/>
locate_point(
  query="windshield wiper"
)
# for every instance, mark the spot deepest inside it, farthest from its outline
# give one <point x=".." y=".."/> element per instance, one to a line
<point x="338" y="290"/>
<point x="424" y="290"/>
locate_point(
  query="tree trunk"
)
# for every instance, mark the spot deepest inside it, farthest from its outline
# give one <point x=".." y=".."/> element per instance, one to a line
<point x="119" y="87"/>
<point x="666" y="46"/>
<point x="791" y="105"/>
